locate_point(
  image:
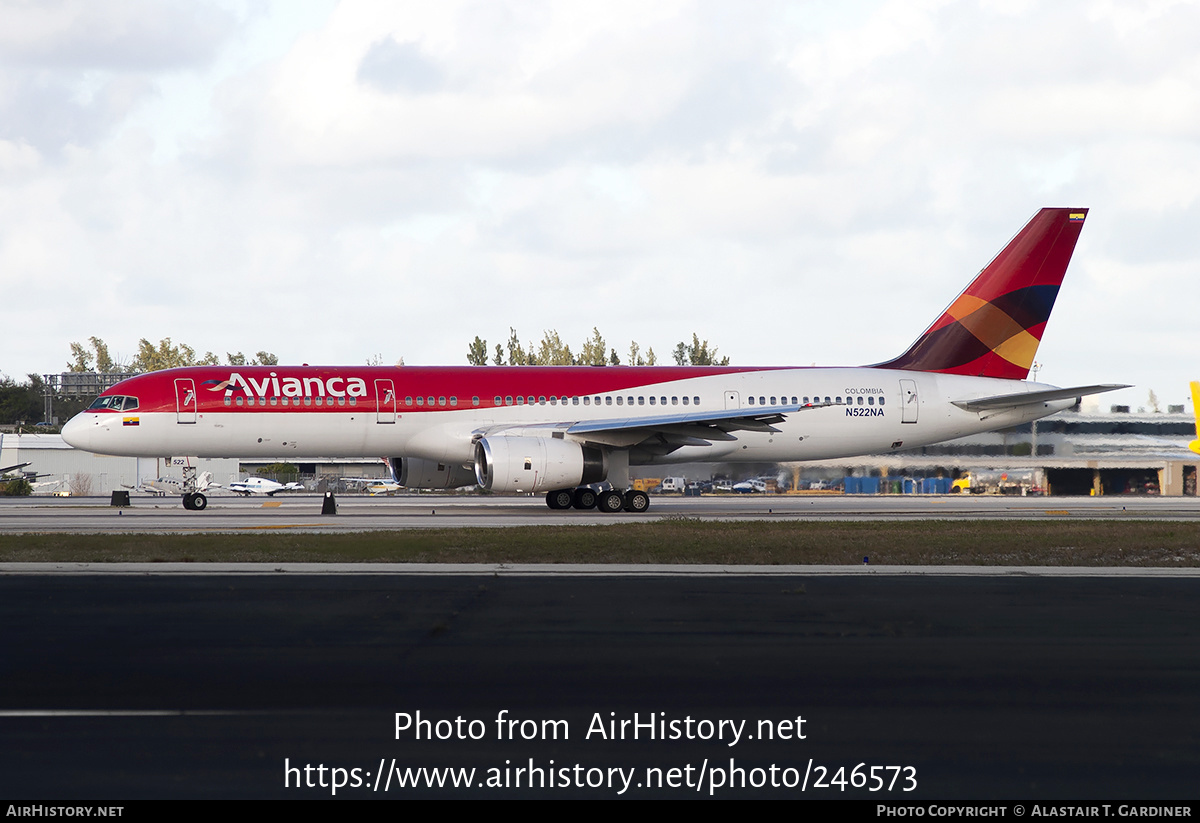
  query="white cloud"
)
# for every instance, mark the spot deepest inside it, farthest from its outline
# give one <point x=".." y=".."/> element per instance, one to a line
<point x="796" y="183"/>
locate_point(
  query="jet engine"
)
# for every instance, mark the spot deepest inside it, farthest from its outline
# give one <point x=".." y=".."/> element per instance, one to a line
<point x="536" y="464"/>
<point x="417" y="473"/>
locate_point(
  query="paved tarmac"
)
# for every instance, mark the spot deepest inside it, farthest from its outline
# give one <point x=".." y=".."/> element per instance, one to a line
<point x="303" y="513"/>
<point x="199" y="683"/>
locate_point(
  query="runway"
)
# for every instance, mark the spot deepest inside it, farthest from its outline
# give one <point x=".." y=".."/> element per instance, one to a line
<point x="208" y="685"/>
<point x="355" y="514"/>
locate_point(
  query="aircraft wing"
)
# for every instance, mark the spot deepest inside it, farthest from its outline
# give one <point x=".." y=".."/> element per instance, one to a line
<point x="674" y="429"/>
<point x="1012" y="401"/>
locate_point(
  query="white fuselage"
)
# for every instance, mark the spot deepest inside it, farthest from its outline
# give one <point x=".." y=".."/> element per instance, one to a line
<point x="870" y="411"/>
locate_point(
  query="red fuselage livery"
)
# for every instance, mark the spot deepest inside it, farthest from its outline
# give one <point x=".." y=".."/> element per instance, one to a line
<point x="573" y="431"/>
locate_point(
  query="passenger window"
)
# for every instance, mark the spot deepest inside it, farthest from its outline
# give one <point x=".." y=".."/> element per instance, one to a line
<point x="881" y="401"/>
<point x="453" y="400"/>
<point x="773" y="401"/>
<point x="308" y="401"/>
<point x="508" y="400"/>
<point x="441" y="401"/>
<point x="641" y="400"/>
<point x="695" y="401"/>
<point x="685" y="400"/>
<point x="542" y="400"/>
<point x="420" y="401"/>
<point x="871" y="400"/>
<point x="574" y="401"/>
<point x="619" y="400"/>
<point x="474" y="401"/>
<point x="239" y="401"/>
<point x="751" y="399"/>
<point x="497" y="400"/>
<point x="228" y="401"/>
<point x="520" y="400"/>
<point x="553" y="400"/>
<point x="651" y="400"/>
<point x="860" y="400"/>
<point x="608" y="400"/>
<point x="587" y="401"/>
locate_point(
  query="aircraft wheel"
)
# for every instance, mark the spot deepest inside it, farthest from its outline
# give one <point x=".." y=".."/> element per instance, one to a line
<point x="585" y="498"/>
<point x="199" y="502"/>
<point x="560" y="499"/>
<point x="637" y="502"/>
<point x="187" y="501"/>
<point x="610" y="502"/>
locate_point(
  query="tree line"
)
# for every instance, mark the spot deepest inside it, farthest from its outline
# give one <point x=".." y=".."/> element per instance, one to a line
<point x="166" y="355"/>
<point x="552" y="351"/>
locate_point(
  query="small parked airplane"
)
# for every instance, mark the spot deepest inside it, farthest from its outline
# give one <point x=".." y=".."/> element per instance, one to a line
<point x="572" y="432"/>
<point x="262" y="485"/>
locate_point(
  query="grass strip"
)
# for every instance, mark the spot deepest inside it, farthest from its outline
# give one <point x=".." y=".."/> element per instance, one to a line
<point x="669" y="541"/>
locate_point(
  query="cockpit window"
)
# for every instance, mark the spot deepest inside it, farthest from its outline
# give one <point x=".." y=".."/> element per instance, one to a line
<point x="114" y="402"/>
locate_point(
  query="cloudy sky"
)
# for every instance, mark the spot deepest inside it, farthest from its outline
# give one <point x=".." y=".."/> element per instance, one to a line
<point x="799" y="183"/>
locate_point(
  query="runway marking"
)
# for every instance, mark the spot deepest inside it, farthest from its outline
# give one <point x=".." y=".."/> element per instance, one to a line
<point x="1057" y="511"/>
<point x="279" y="526"/>
<point x="118" y="712"/>
<point x="271" y="504"/>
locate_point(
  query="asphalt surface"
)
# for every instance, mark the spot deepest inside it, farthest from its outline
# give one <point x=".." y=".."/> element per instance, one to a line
<point x="133" y="684"/>
<point x="303" y="512"/>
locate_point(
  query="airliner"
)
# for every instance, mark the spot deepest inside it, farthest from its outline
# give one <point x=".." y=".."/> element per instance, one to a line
<point x="573" y="432"/>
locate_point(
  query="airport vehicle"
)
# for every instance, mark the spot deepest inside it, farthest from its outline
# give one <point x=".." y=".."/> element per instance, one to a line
<point x="573" y="432"/>
<point x="262" y="485"/>
<point x="1195" y="444"/>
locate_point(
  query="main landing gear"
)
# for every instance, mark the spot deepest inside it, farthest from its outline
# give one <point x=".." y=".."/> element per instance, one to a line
<point x="610" y="501"/>
<point x="195" y="502"/>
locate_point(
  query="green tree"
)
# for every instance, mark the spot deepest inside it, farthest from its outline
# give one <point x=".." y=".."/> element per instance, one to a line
<point x="18" y="487"/>
<point x="517" y="356"/>
<point x="552" y="351"/>
<point x="697" y="354"/>
<point x="167" y="356"/>
<point x="21" y="401"/>
<point x="97" y="359"/>
<point x="477" y="352"/>
<point x="593" y="351"/>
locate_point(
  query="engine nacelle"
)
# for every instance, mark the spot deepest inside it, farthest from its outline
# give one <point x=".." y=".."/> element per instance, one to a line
<point x="417" y="473"/>
<point x="536" y="464"/>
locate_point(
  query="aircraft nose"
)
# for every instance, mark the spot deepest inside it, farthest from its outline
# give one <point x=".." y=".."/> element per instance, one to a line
<point x="78" y="432"/>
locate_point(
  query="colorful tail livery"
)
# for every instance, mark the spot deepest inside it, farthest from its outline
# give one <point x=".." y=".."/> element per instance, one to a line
<point x="993" y="328"/>
<point x="573" y="432"/>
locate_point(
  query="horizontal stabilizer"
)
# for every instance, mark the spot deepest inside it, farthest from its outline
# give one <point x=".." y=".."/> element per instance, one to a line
<point x="1012" y="401"/>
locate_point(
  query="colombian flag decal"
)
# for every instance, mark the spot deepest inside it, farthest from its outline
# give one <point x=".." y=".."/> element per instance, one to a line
<point x="129" y="421"/>
<point x="1076" y="218"/>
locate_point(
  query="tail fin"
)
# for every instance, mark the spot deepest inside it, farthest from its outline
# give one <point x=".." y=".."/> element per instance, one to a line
<point x="994" y="327"/>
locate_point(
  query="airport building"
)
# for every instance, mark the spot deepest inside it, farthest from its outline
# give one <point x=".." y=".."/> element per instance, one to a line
<point x="63" y="470"/>
<point x="1072" y="452"/>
